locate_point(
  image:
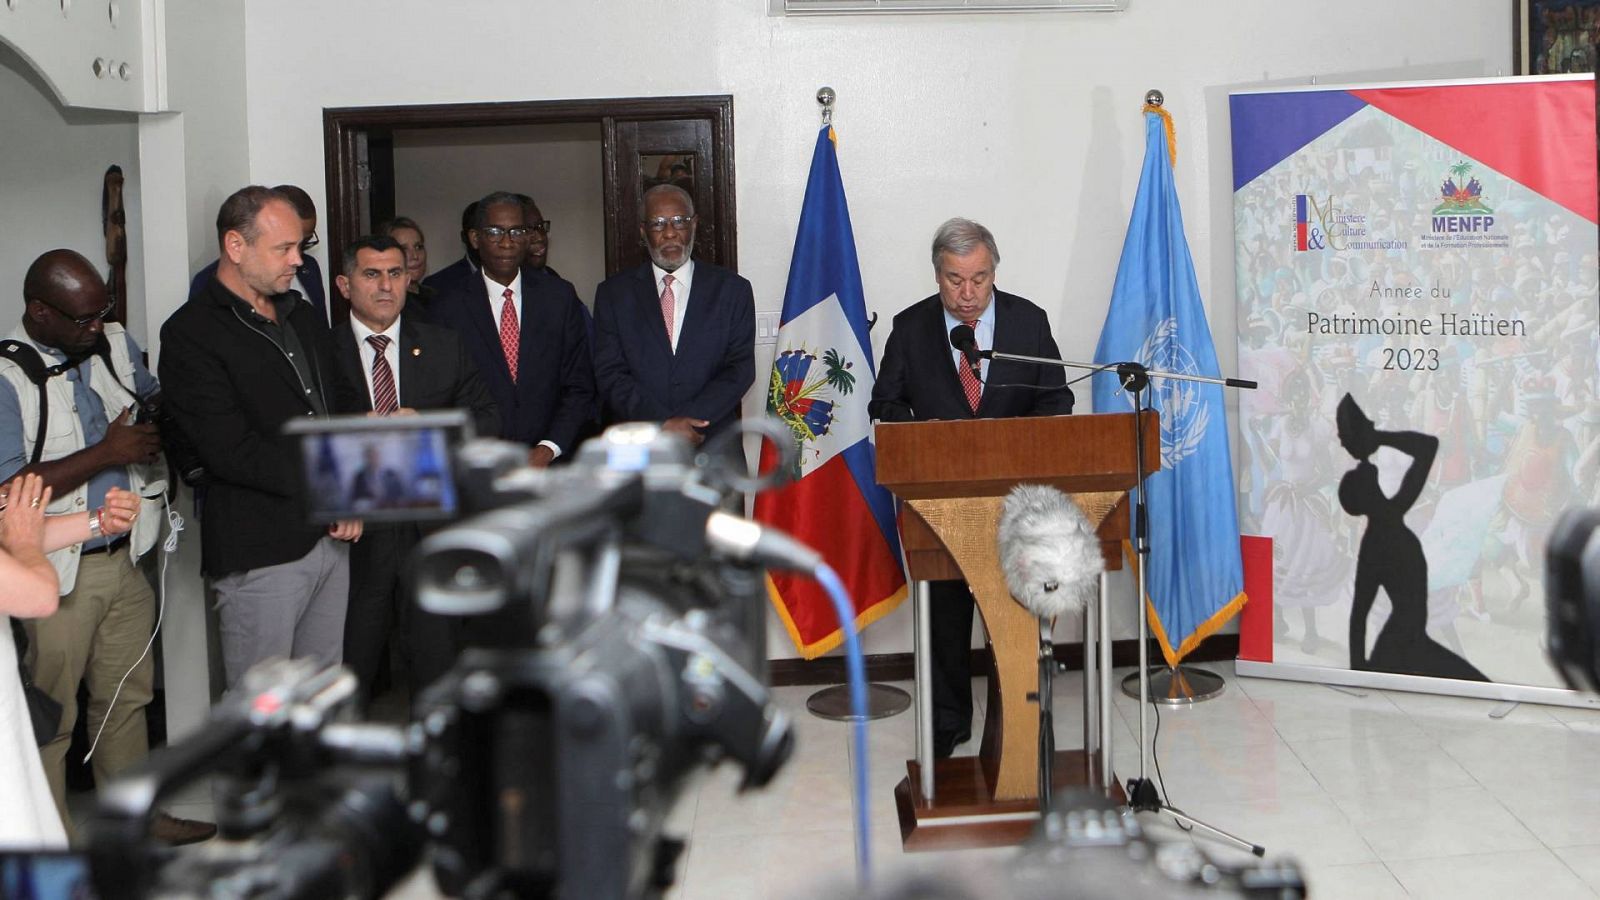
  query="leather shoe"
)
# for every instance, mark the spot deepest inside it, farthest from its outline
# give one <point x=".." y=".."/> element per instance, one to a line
<point x="945" y="742"/>
<point x="176" y="832"/>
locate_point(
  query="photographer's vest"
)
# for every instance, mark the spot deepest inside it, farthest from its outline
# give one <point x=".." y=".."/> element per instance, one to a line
<point x="64" y="437"/>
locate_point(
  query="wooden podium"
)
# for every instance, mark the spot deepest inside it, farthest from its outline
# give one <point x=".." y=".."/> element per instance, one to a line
<point x="953" y="477"/>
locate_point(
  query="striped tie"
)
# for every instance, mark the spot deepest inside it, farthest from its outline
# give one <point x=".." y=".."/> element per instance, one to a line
<point x="385" y="399"/>
<point x="969" y="381"/>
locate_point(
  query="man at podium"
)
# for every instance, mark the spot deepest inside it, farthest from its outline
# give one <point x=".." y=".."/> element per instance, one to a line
<point x="924" y="376"/>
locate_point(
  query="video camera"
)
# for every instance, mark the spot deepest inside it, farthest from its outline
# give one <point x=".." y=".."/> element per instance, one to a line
<point x="1572" y="598"/>
<point x="621" y="613"/>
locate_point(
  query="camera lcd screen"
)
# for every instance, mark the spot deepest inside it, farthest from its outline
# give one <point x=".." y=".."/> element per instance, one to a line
<point x="393" y="469"/>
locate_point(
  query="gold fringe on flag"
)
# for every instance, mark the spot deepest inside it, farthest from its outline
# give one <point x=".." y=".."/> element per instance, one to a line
<point x="1172" y="136"/>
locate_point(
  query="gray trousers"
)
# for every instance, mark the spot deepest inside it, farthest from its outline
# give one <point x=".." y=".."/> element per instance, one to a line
<point x="291" y="610"/>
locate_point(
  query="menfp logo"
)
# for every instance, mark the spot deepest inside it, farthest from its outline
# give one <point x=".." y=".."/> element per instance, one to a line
<point x="1461" y="207"/>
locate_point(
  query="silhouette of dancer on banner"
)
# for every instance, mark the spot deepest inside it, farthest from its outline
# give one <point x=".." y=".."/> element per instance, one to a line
<point x="1391" y="555"/>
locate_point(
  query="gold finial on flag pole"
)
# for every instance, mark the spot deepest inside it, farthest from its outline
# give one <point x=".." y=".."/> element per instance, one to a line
<point x="825" y="97"/>
<point x="1153" y="101"/>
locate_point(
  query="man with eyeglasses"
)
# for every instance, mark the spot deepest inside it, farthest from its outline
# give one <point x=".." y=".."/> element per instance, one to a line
<point x="674" y="337"/>
<point x="81" y="435"/>
<point x="525" y="329"/>
<point x="922" y="377"/>
<point x="308" y="276"/>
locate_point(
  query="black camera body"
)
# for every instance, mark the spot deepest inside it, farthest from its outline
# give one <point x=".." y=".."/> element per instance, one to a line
<point x="183" y="458"/>
<point x="615" y="619"/>
<point x="1572" y="598"/>
<point x="552" y="773"/>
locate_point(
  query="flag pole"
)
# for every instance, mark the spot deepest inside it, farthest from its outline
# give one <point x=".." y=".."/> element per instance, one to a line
<point x="833" y="702"/>
<point x="1142" y="792"/>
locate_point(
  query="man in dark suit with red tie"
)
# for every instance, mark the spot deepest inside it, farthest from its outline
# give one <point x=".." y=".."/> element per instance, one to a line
<point x="923" y="377"/>
<point x="525" y="330"/>
<point x="675" y="337"/>
<point x="393" y="362"/>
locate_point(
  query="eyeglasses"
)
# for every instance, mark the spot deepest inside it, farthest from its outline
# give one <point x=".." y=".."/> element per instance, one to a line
<point x="310" y="242"/>
<point x="86" y="321"/>
<point x="495" y="232"/>
<point x="661" y="223"/>
<point x="542" y="226"/>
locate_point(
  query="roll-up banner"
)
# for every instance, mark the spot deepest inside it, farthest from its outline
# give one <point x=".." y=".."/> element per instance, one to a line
<point x="1417" y="296"/>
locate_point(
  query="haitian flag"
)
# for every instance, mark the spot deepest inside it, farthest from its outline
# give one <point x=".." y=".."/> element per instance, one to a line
<point x="822" y="376"/>
<point x="1195" y="582"/>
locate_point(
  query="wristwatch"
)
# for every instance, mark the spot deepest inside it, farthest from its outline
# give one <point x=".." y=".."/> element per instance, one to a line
<point x="94" y="524"/>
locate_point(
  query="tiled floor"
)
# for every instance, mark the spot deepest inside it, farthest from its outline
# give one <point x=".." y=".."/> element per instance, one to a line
<point x="1381" y="795"/>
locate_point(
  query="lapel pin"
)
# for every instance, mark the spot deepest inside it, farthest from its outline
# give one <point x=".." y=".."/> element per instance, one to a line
<point x="416" y="351"/>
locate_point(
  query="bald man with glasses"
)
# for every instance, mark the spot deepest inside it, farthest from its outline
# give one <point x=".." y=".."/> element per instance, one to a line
<point x="79" y="432"/>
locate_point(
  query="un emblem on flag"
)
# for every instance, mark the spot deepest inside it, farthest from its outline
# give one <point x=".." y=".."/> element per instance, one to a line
<point x="1185" y="415"/>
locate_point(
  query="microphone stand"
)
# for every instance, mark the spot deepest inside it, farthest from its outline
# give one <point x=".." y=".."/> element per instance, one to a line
<point x="1135" y="378"/>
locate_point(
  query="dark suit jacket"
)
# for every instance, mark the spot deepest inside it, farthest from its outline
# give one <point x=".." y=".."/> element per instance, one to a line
<point x="310" y="276"/>
<point x="553" y="394"/>
<point x="436" y="372"/>
<point x="452" y="276"/>
<point x="231" y="389"/>
<point x="638" y="375"/>
<point x="917" y="379"/>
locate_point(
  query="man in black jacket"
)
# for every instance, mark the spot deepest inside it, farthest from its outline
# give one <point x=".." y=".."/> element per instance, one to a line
<point x="924" y="377"/>
<point x="395" y="364"/>
<point x="239" y="359"/>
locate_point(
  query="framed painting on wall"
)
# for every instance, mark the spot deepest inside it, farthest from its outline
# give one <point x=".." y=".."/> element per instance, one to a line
<point x="1554" y="37"/>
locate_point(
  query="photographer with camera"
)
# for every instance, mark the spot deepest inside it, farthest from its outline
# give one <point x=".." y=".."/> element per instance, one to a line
<point x="70" y="382"/>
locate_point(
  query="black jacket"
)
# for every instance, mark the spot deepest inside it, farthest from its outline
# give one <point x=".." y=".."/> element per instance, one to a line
<point x="553" y="394"/>
<point x="917" y="379"/>
<point x="232" y="389"/>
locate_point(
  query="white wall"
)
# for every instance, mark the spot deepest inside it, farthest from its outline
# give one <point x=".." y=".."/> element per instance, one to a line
<point x="1028" y="123"/>
<point x="438" y="171"/>
<point x="192" y="158"/>
<point x="55" y="162"/>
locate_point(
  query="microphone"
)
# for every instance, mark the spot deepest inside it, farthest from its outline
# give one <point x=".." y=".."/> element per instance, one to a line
<point x="1048" y="552"/>
<point x="962" y="338"/>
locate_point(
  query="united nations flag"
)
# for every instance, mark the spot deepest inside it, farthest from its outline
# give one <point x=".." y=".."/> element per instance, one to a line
<point x="1195" y="582"/>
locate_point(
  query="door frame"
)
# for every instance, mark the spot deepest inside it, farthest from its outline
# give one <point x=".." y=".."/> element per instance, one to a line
<point x="341" y="125"/>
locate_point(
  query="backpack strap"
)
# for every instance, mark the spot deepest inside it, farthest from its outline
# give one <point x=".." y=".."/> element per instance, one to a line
<point x="32" y="364"/>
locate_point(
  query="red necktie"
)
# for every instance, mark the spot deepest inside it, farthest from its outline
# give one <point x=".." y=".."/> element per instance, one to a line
<point x="510" y="334"/>
<point x="969" y="381"/>
<point x="385" y="400"/>
<point x="669" y="304"/>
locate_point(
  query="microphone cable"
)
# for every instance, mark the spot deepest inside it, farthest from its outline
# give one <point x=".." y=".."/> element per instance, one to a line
<point x="856" y="670"/>
<point x="168" y="547"/>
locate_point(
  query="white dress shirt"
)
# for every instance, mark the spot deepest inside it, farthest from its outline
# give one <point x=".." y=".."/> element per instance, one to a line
<point x="682" y="280"/>
<point x="368" y="354"/>
<point x="497" y="297"/>
<point x="984" y="331"/>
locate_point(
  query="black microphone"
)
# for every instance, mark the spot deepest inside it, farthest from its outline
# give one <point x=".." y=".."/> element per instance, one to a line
<point x="963" y="339"/>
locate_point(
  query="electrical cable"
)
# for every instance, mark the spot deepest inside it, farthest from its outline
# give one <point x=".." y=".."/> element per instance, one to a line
<point x="168" y="547"/>
<point x="856" y="671"/>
